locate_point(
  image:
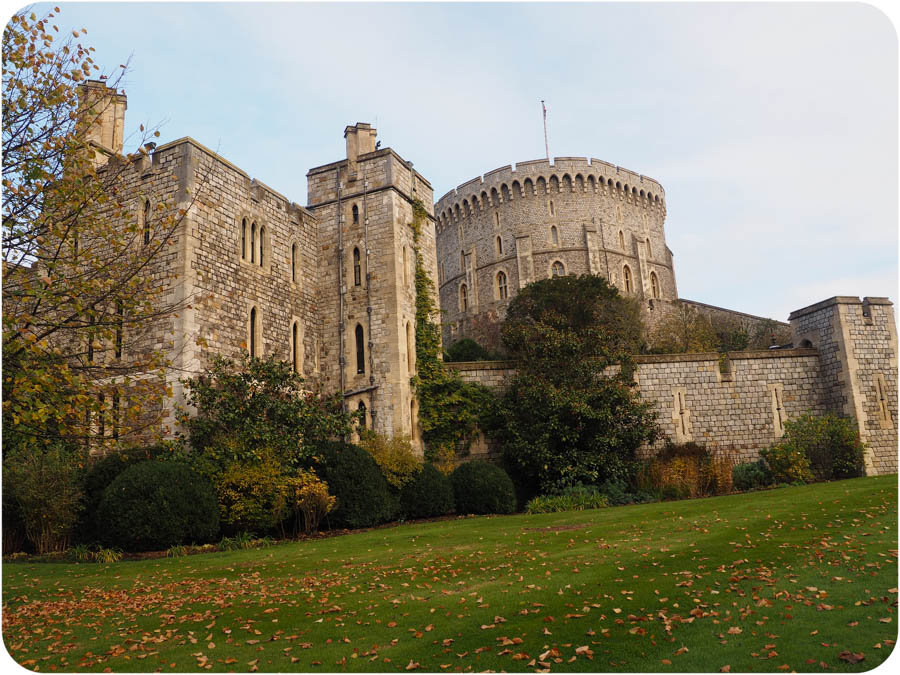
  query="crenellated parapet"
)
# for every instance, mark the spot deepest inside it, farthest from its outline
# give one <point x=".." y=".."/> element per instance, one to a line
<point x="539" y="177"/>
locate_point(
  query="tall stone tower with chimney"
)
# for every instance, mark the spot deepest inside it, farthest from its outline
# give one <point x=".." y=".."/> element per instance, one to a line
<point x="364" y="207"/>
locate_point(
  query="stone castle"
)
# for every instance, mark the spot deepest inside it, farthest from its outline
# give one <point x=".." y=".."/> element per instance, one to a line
<point x="330" y="287"/>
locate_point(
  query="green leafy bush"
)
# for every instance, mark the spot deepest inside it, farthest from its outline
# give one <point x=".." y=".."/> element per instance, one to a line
<point x="251" y="495"/>
<point x="480" y="487"/>
<point x="394" y="455"/>
<point x="468" y="350"/>
<point x="308" y="496"/>
<point x="427" y="495"/>
<point x="830" y="443"/>
<point x="577" y="498"/>
<point x="619" y="493"/>
<point x="787" y="464"/>
<point x="751" y="475"/>
<point x="239" y="542"/>
<point x="354" y="478"/>
<point x="154" y="505"/>
<point x="46" y="484"/>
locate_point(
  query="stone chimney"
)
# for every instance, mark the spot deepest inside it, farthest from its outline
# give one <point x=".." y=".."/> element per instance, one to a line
<point x="360" y="141"/>
<point x="104" y="113"/>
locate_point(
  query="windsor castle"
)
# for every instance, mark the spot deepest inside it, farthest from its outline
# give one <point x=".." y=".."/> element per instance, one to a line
<point x="330" y="286"/>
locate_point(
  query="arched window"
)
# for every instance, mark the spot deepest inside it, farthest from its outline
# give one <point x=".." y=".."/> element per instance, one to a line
<point x="501" y="286"/>
<point x="251" y="345"/>
<point x="499" y="245"/>
<point x="557" y="270"/>
<point x="496" y="219"/>
<point x="551" y="208"/>
<point x="357" y="268"/>
<point x="362" y="413"/>
<point x="243" y="239"/>
<point x="294" y="263"/>
<point x="554" y="236"/>
<point x="462" y="261"/>
<point x="262" y="237"/>
<point x="360" y="351"/>
<point x="295" y="352"/>
<point x="463" y="298"/>
<point x="410" y="349"/>
<point x="626" y="277"/>
<point x="146" y="221"/>
<point x="649" y="250"/>
<point x="621" y="240"/>
<point x="355" y="214"/>
<point x="253" y="242"/>
<point x="654" y="285"/>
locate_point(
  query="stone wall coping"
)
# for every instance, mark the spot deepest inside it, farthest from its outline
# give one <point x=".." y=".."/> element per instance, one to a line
<point x="700" y="357"/>
<point x="202" y="148"/>
<point x="732" y="311"/>
<point x="836" y="300"/>
<point x="877" y="301"/>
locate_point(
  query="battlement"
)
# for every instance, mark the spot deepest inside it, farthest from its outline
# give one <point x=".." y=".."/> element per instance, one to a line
<point x="540" y="176"/>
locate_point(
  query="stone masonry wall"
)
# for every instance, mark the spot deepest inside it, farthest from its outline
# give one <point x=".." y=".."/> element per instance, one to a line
<point x="740" y="411"/>
<point x="588" y="203"/>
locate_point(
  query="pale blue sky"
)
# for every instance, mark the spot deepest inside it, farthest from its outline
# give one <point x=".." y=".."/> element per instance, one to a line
<point x="772" y="127"/>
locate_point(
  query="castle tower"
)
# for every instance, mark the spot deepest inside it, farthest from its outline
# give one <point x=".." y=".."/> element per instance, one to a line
<point x="366" y="290"/>
<point x="104" y="113"/>
<point x="857" y="344"/>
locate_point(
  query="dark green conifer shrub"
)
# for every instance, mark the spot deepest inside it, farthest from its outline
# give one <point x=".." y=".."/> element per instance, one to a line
<point x="353" y="476"/>
<point x="480" y="487"/>
<point x="154" y="505"/>
<point x="427" y="495"/>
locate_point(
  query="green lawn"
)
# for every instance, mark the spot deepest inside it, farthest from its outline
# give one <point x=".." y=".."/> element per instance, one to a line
<point x="785" y="579"/>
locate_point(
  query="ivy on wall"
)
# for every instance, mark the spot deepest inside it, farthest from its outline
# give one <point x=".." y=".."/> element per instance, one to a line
<point x="449" y="409"/>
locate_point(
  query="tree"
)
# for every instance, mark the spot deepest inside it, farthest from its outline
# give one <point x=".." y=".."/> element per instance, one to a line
<point x="253" y="409"/>
<point x="571" y="415"/>
<point x="684" y="330"/>
<point x="79" y="279"/>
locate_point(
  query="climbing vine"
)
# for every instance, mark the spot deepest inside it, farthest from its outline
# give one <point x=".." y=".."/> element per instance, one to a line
<point x="449" y="409"/>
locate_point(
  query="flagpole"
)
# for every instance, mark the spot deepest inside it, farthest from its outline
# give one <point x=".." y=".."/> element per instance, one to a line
<point x="546" y="145"/>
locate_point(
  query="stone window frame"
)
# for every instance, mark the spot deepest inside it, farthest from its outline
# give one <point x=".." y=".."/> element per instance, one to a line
<point x="627" y="278"/>
<point x="359" y="336"/>
<point x="498" y="245"/>
<point x="654" y="286"/>
<point x="144" y="215"/>
<point x="681" y="415"/>
<point x="462" y="292"/>
<point x="252" y="244"/>
<point x="294" y="262"/>
<point x="554" y="236"/>
<point x="551" y="208"/>
<point x="622" y="240"/>
<point x="501" y="292"/>
<point x="553" y="263"/>
<point x="255" y="345"/>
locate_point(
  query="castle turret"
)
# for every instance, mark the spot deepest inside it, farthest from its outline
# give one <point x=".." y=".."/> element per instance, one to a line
<point x="103" y="111"/>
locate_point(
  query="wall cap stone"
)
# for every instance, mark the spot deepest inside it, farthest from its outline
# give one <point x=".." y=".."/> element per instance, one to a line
<point x="836" y="300"/>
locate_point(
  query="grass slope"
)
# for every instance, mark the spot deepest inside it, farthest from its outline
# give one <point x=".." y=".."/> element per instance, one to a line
<point x="780" y="580"/>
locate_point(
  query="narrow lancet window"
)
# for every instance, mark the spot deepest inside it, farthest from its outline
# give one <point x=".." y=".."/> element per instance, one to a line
<point x="360" y="351"/>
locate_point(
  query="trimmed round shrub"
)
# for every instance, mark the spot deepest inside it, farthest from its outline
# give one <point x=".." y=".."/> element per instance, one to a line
<point x="427" y="495"/>
<point x="480" y="487"/>
<point x="101" y="472"/>
<point x="154" y="505"/>
<point x="353" y="476"/>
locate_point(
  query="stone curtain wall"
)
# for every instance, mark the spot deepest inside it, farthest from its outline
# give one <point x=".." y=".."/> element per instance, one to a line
<point x="741" y="410"/>
<point x="735" y="411"/>
<point x="589" y="203"/>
